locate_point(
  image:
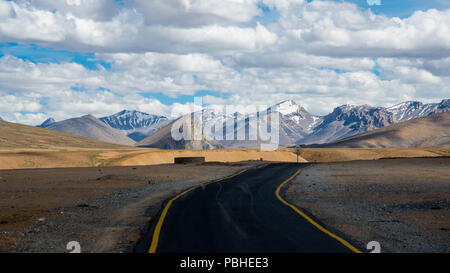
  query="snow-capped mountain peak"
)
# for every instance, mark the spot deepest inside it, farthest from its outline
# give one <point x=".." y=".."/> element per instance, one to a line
<point x="129" y="120"/>
<point x="416" y="109"/>
<point x="286" y="107"/>
<point x="47" y="123"/>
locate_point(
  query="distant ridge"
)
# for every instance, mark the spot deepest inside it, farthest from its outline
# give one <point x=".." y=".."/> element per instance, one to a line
<point x="129" y="120"/>
<point x="430" y="131"/>
<point x="416" y="109"/>
<point x="348" y="120"/>
<point x="90" y="126"/>
<point x="297" y="125"/>
<point x="136" y="125"/>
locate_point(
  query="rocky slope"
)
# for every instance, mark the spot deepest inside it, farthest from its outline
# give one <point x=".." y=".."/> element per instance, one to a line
<point x="348" y="120"/>
<point x="430" y="131"/>
<point x="136" y="125"/>
<point x="416" y="109"/>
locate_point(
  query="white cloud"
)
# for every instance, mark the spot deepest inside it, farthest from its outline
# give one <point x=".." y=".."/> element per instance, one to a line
<point x="66" y="104"/>
<point x="195" y="13"/>
<point x="127" y="30"/>
<point x="321" y="54"/>
<point x="214" y="27"/>
<point x="94" y="9"/>
<point x="339" y="29"/>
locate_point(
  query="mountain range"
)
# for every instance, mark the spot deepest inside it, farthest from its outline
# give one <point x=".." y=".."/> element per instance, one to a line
<point x="348" y="120"/>
<point x="429" y="131"/>
<point x="137" y="125"/>
<point x="297" y="125"/>
<point x="416" y="109"/>
<point x="91" y="127"/>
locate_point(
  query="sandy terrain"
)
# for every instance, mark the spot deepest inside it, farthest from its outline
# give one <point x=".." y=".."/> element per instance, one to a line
<point x="81" y="157"/>
<point x="402" y="203"/>
<point x="351" y="154"/>
<point x="60" y="158"/>
<point x="103" y="208"/>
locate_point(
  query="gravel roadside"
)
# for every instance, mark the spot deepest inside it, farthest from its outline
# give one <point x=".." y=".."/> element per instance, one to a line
<point x="404" y="204"/>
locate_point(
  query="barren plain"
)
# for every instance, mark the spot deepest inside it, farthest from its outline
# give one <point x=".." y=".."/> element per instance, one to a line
<point x="105" y="209"/>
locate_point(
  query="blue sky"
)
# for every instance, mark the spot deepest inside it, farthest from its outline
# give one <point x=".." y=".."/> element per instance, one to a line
<point x="268" y="15"/>
<point x="36" y="54"/>
<point x="183" y="98"/>
<point x="401" y="8"/>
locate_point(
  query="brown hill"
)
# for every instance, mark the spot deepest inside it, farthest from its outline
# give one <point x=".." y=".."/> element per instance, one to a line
<point x="91" y="127"/>
<point x="163" y="139"/>
<point x="430" y="131"/>
<point x="18" y="136"/>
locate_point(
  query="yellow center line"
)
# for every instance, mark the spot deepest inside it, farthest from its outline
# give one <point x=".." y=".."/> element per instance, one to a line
<point x="157" y="231"/>
<point x="277" y="193"/>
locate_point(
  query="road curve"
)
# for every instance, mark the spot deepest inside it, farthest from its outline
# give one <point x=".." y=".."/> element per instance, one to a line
<point x="241" y="214"/>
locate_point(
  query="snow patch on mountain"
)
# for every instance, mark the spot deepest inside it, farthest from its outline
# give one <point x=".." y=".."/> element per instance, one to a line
<point x="416" y="109"/>
<point x="135" y="124"/>
<point x="286" y="107"/>
<point x="129" y="120"/>
<point x="47" y="123"/>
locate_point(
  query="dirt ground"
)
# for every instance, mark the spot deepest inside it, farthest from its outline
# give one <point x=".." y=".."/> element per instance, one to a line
<point x="105" y="209"/>
<point x="404" y="204"/>
<point x="81" y="157"/>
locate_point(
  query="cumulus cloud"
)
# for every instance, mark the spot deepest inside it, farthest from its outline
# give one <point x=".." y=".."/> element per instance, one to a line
<point x="99" y="10"/>
<point x="195" y="13"/>
<point x="127" y="30"/>
<point x="66" y="103"/>
<point x="186" y="26"/>
<point x="343" y="29"/>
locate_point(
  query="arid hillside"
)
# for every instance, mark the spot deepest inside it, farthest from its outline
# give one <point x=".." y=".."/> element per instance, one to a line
<point x="18" y="136"/>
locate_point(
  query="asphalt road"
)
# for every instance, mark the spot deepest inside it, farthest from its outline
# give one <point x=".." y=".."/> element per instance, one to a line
<point x="241" y="214"/>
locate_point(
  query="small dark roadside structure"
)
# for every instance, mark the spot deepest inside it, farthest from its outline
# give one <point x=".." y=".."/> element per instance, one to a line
<point x="187" y="160"/>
